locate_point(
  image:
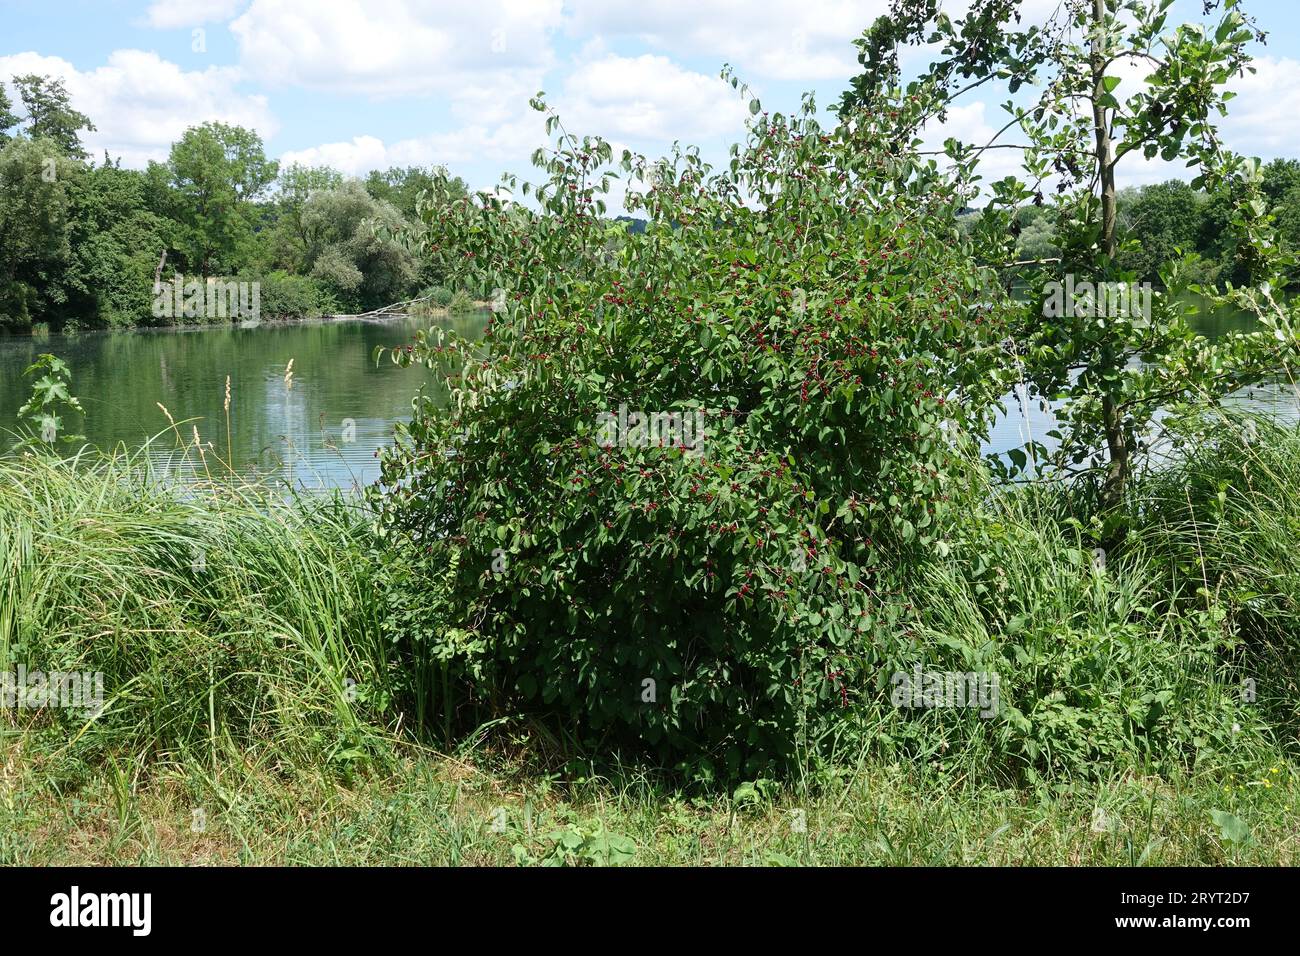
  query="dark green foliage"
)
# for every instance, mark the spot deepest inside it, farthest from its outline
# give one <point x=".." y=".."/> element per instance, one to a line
<point x="214" y="175"/>
<point x="288" y="296"/>
<point x="83" y="243"/>
<point x="81" y="249"/>
<point x="50" y="115"/>
<point x="460" y="303"/>
<point x="1159" y="225"/>
<point x="402" y="188"/>
<point x="8" y="118"/>
<point x="290" y="239"/>
<point x="721" y="609"/>
<point x="116" y="245"/>
<point x="439" y="295"/>
<point x="35" y="253"/>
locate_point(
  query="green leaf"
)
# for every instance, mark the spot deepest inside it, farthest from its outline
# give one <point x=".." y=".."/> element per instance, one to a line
<point x="1231" y="827"/>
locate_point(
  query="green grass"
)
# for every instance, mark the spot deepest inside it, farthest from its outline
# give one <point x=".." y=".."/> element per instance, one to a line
<point x="1227" y="520"/>
<point x="222" y="619"/>
<point x="261" y="687"/>
<point x="1105" y="666"/>
<point x="430" y="810"/>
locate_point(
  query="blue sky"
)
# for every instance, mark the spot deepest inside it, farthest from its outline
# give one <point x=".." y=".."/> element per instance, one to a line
<point x="364" y="84"/>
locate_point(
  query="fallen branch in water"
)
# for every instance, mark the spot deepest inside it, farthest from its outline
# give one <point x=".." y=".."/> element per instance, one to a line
<point x="396" y="309"/>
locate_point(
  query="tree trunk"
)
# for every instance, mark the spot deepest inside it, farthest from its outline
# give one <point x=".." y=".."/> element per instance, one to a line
<point x="1117" y="473"/>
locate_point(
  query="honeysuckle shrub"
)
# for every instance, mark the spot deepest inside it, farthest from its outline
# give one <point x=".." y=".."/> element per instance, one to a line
<point x="814" y="349"/>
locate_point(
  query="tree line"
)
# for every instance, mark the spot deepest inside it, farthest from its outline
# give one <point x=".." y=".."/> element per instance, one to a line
<point x="83" y="243"/>
<point x="1170" y="220"/>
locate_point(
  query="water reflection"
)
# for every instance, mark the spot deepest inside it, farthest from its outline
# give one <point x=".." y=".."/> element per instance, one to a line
<point x="321" y="429"/>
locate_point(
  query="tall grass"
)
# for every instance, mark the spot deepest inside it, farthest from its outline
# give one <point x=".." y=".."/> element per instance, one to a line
<point x="226" y="620"/>
<point x="1225" y="519"/>
<point x="1106" y="663"/>
<point x="233" y="625"/>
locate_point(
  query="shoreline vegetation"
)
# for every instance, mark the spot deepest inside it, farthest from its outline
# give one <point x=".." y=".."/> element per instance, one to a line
<point x="819" y="625"/>
<point x="96" y="237"/>
<point x="89" y="244"/>
<point x="425" y="311"/>
<point x="276" y="673"/>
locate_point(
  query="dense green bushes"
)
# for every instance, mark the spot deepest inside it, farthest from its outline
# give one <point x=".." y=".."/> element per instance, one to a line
<point x="439" y="295"/>
<point x="824" y="346"/>
<point x="460" y="303"/>
<point x="78" y="246"/>
<point x="708" y="489"/>
<point x="230" y="619"/>
<point x="286" y="296"/>
<point x="739" y="606"/>
<point x="83" y="242"/>
<point x="1101" y="663"/>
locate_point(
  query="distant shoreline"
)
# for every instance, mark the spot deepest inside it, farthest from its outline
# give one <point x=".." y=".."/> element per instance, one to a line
<point x="431" y="312"/>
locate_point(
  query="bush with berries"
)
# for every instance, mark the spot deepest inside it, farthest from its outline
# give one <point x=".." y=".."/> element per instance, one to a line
<point x="679" y="475"/>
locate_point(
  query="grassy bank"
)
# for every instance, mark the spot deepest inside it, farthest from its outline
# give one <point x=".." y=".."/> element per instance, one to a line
<point x="261" y="694"/>
<point x="430" y="810"/>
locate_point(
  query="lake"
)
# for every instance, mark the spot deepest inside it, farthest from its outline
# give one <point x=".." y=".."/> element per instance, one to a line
<point x="297" y="432"/>
<point x="300" y="433"/>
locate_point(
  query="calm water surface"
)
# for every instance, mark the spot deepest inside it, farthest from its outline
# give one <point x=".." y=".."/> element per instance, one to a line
<point x="1024" y="419"/>
<point x="296" y="432"/>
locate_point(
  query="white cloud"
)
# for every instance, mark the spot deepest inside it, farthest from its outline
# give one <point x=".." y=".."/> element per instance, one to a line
<point x="642" y="102"/>
<point x="649" y="100"/>
<point x="356" y="157"/>
<point x="1262" y="119"/>
<point x="502" y="144"/>
<point x="169" y="14"/>
<point x="475" y="53"/>
<point x="776" y="39"/>
<point x="141" y="103"/>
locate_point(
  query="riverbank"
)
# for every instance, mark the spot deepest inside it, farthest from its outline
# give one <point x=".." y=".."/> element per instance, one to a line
<point x="257" y="658"/>
<point x="430" y="313"/>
